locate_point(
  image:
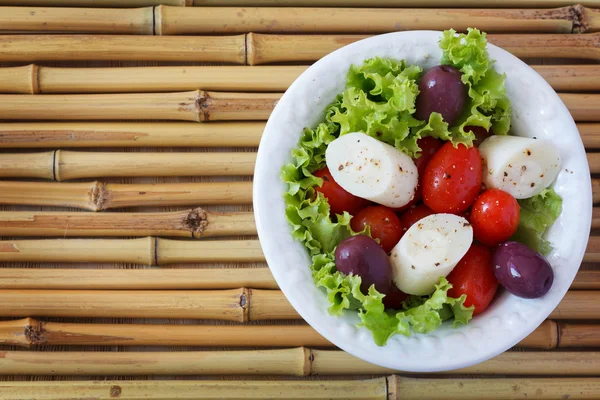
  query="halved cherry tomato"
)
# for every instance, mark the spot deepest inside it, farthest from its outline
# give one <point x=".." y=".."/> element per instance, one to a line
<point x="480" y="134"/>
<point x="495" y="217"/>
<point x="394" y="298"/>
<point x="452" y="179"/>
<point x="339" y="199"/>
<point x="384" y="223"/>
<point x="474" y="276"/>
<point x="413" y="215"/>
<point x="429" y="146"/>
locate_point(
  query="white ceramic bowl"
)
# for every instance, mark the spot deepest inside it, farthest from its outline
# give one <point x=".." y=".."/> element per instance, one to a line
<point x="537" y="111"/>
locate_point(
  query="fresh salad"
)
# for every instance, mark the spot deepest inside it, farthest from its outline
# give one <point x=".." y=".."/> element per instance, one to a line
<point x="413" y="200"/>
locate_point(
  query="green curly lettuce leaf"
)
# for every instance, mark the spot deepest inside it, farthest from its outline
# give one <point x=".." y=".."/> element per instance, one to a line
<point x="538" y="213"/>
<point x="379" y="100"/>
<point x="421" y="314"/>
<point x="487" y="106"/>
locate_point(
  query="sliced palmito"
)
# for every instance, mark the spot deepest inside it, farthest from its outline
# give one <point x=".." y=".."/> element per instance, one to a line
<point x="429" y="250"/>
<point x="371" y="169"/>
<point x="520" y="166"/>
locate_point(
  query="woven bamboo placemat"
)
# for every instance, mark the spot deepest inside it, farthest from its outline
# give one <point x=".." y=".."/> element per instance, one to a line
<point x="129" y="263"/>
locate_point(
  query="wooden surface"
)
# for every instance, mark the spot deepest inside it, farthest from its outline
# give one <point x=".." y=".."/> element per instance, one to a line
<point x="141" y="276"/>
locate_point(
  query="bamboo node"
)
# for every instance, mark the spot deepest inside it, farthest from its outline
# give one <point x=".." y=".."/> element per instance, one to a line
<point x="579" y="18"/>
<point x="196" y="220"/>
<point x="115" y="391"/>
<point x="34" y="332"/>
<point x="99" y="196"/>
<point x="244" y="304"/>
<point x="309" y="357"/>
<point x="203" y="105"/>
<point x="35" y="79"/>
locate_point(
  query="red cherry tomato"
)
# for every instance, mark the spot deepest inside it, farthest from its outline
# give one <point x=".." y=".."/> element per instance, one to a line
<point x="474" y="276"/>
<point x="495" y="217"/>
<point x="385" y="225"/>
<point x="429" y="146"/>
<point x="452" y="179"/>
<point x="413" y="215"/>
<point x="339" y="199"/>
<point x="394" y="298"/>
<point x="480" y="134"/>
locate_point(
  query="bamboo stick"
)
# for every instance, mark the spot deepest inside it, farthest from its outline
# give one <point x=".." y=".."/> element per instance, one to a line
<point x="596" y="191"/>
<point x="137" y="279"/>
<point x="270" y="48"/>
<point x="98" y="3"/>
<point x="294" y="362"/>
<point x="371" y="389"/>
<point x="331" y="362"/>
<point x="586" y="279"/>
<point x="147" y="251"/>
<point x="135" y="21"/>
<point x="570" y="78"/>
<point x="135" y="251"/>
<point x="29" y="332"/>
<point x="257" y="362"/>
<point x="182" y="21"/>
<point x="579" y="335"/>
<point x="573" y="78"/>
<point x="382" y="3"/>
<point x="193" y="223"/>
<point x="594" y="162"/>
<point x="253" y="48"/>
<point x="65" y="165"/>
<point x="32" y="48"/>
<point x="180" y="278"/>
<point x="592" y="252"/>
<point x="130" y="134"/>
<point x="239" y="305"/>
<point x="79" y="164"/>
<point x="19" y="79"/>
<point x="385" y="388"/>
<point x="546" y="336"/>
<point x="181" y="252"/>
<point x="492" y="389"/>
<point x="27" y="165"/>
<point x="164" y="79"/>
<point x="228" y="305"/>
<point x="183" y="106"/>
<point x="96" y="196"/>
<point x="583" y="107"/>
<point x="302" y="3"/>
<point x="590" y="134"/>
<point x="578" y="304"/>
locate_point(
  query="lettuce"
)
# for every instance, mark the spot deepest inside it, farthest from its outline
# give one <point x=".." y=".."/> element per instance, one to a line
<point x="487" y="106"/>
<point x="538" y="213"/>
<point x="420" y="314"/>
<point x="379" y="100"/>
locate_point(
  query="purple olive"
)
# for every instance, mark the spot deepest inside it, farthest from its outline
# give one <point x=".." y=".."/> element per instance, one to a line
<point x="522" y="271"/>
<point x="442" y="91"/>
<point x="362" y="256"/>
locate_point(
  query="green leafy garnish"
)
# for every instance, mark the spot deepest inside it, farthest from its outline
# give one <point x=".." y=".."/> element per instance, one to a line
<point x="538" y="213"/>
<point x="488" y="106"/>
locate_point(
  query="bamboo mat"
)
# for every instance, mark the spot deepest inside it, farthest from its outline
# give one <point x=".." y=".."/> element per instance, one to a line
<point x="129" y="262"/>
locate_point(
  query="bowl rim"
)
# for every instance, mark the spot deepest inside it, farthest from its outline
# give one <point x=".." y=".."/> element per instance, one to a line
<point x="340" y="333"/>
